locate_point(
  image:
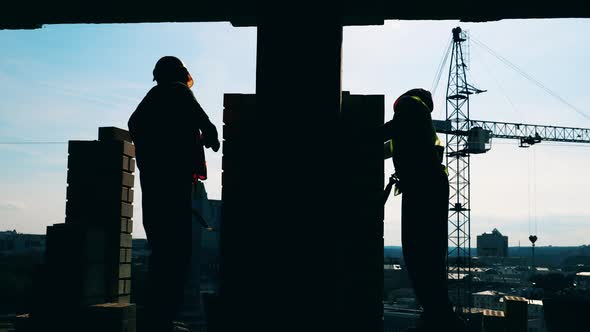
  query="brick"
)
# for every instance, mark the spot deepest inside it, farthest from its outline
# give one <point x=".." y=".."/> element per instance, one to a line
<point x="96" y="162"/>
<point x="94" y="284"/>
<point x="95" y="242"/>
<point x="95" y="152"/>
<point x="113" y="134"/>
<point x="121" y="288"/>
<point x="90" y="212"/>
<point x="100" y="179"/>
<point x="125" y="194"/>
<point x="128" y="286"/>
<point x="105" y="194"/>
<point x="239" y="101"/>
<point x="124" y="271"/>
<point x="124" y="299"/>
<point x="126" y="225"/>
<point x="125" y="241"/>
<point x="131" y="167"/>
<point x="124" y="286"/>
<point x="60" y="240"/>
<point x="129" y="149"/>
<point x="125" y="163"/>
<point x="128" y="179"/>
<point x="82" y="147"/>
<point x="127" y="210"/>
<point x="125" y="255"/>
<point x="130" y="195"/>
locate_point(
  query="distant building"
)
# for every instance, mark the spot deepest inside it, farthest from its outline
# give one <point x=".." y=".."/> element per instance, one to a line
<point x="396" y="319"/>
<point x="489" y="299"/>
<point x="395" y="276"/>
<point x="12" y="242"/>
<point x="583" y="280"/>
<point x="492" y="244"/>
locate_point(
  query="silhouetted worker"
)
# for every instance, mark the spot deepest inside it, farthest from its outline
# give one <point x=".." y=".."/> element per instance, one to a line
<point x="169" y="129"/>
<point x="417" y="155"/>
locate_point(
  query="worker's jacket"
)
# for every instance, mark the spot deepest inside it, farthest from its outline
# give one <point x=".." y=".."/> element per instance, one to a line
<point x="416" y="150"/>
<point x="166" y="128"/>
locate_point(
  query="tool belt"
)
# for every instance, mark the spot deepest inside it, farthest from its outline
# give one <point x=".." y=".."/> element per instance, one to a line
<point x="396" y="184"/>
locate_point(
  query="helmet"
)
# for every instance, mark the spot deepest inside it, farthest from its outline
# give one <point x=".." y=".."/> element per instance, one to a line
<point x="424" y="95"/>
<point x="171" y="69"/>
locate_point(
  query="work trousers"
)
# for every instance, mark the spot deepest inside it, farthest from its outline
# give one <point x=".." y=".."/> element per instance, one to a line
<point x="424" y="243"/>
<point x="167" y="221"/>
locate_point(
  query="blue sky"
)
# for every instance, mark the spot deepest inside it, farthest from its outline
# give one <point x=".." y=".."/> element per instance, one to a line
<point x="64" y="81"/>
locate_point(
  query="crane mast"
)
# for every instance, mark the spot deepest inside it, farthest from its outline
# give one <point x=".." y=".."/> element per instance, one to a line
<point x="464" y="137"/>
<point x="457" y="161"/>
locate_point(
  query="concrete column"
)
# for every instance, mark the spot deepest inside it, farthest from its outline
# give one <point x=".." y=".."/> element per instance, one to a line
<point x="278" y="246"/>
<point x="361" y="226"/>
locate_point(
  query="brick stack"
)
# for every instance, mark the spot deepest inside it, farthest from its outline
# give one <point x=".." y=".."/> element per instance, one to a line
<point x="238" y="217"/>
<point x="516" y="312"/>
<point x="88" y="258"/>
<point x="100" y="203"/>
<point x="288" y="248"/>
<point x="493" y="321"/>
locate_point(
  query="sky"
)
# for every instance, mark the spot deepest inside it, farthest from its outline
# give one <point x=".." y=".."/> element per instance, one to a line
<point x="62" y="82"/>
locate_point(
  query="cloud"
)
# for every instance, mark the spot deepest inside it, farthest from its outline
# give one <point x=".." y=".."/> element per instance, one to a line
<point x="11" y="206"/>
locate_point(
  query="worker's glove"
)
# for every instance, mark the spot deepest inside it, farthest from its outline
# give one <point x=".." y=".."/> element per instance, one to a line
<point x="214" y="145"/>
<point x="210" y="143"/>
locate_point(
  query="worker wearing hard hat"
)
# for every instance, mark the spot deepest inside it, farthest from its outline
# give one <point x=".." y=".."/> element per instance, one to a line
<point x="417" y="155"/>
<point x="169" y="129"/>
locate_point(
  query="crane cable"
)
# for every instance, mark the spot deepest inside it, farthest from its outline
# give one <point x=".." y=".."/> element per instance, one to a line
<point x="31" y="143"/>
<point x="502" y="90"/>
<point x="530" y="78"/>
<point x="441" y="67"/>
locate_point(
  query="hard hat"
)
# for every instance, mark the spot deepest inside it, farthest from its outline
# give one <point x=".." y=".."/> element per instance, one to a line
<point x="171" y="69"/>
<point x="424" y="95"/>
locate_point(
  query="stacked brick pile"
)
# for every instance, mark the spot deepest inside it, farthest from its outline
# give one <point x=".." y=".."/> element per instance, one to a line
<point x="100" y="203"/>
<point x="300" y="267"/>
<point x="88" y="258"/>
<point x="238" y="171"/>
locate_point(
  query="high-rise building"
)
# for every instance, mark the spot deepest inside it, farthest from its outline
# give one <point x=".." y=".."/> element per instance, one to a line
<point x="492" y="244"/>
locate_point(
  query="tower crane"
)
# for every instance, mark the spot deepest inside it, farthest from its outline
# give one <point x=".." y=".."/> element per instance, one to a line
<point x="466" y="136"/>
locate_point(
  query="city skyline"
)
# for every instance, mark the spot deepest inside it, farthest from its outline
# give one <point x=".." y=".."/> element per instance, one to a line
<point x="62" y="82"/>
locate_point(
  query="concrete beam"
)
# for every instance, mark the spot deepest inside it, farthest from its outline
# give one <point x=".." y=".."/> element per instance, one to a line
<point x="247" y="12"/>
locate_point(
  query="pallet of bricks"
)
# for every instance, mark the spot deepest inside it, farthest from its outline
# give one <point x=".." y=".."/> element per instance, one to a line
<point x="85" y="283"/>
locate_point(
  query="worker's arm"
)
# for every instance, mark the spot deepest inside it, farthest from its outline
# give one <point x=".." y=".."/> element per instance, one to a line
<point x="210" y="135"/>
<point x="200" y="120"/>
